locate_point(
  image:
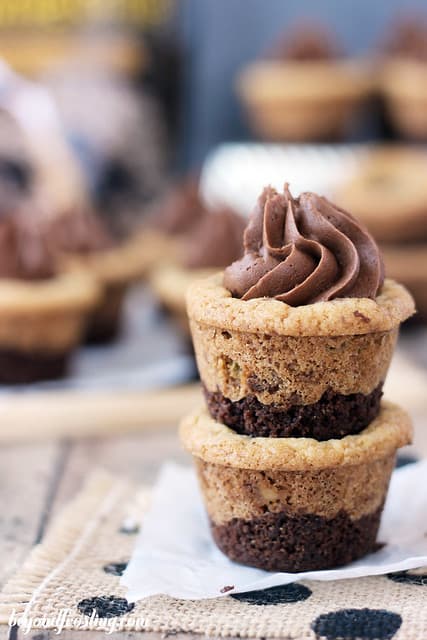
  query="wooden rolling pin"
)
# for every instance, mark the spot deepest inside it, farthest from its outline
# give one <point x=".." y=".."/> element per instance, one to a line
<point x="77" y="414"/>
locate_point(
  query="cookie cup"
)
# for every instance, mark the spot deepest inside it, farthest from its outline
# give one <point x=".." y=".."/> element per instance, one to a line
<point x="389" y="194"/>
<point x="404" y="85"/>
<point x="41" y="324"/>
<point x="170" y="283"/>
<point x="115" y="270"/>
<point x="303" y="101"/>
<point x="295" y="504"/>
<point x="317" y="370"/>
<point x="409" y="264"/>
<point x="156" y="248"/>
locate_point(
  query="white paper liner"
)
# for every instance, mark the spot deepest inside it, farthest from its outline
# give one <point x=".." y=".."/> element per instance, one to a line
<point x="176" y="556"/>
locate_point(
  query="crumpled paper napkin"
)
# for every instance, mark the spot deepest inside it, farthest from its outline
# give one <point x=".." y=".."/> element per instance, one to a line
<point x="176" y="556"/>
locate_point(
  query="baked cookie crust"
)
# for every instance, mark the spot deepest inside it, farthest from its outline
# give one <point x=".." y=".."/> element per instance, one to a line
<point x="209" y="302"/>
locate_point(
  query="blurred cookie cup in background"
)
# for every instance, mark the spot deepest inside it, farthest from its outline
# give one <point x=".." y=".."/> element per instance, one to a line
<point x="408" y="263"/>
<point x="44" y="310"/>
<point x="404" y="77"/>
<point x="83" y="244"/>
<point x="305" y="91"/>
<point x="211" y="244"/>
<point x="167" y="220"/>
<point x="295" y="504"/>
<point x="388" y="192"/>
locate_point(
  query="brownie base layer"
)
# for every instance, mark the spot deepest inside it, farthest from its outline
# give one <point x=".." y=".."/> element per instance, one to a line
<point x="18" y="367"/>
<point x="103" y="331"/>
<point x="278" y="542"/>
<point x="105" y="323"/>
<point x="333" y="416"/>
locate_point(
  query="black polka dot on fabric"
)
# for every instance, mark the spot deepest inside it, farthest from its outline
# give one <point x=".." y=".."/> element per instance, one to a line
<point x="115" y="568"/>
<point x="275" y="595"/>
<point x="129" y="528"/>
<point x="357" y="624"/>
<point x="105" y="606"/>
<point x="403" y="459"/>
<point x="404" y="577"/>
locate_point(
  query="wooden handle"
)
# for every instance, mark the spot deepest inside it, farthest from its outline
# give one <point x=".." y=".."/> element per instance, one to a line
<point x="76" y="414"/>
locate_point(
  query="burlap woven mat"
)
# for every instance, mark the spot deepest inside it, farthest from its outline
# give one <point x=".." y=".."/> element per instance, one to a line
<point x="74" y="573"/>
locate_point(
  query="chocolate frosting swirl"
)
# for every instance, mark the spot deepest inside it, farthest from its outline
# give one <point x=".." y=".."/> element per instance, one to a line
<point x="81" y="232"/>
<point x="215" y="241"/>
<point x="179" y="210"/>
<point x="24" y="253"/>
<point x="304" y="250"/>
<point x="408" y="38"/>
<point x="306" y="42"/>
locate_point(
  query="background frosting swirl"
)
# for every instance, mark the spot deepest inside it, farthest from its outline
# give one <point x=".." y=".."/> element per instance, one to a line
<point x="24" y="253"/>
<point x="304" y="250"/>
<point x="215" y="241"/>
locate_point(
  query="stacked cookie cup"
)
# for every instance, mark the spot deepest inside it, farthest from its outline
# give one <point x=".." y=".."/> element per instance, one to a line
<point x="294" y="449"/>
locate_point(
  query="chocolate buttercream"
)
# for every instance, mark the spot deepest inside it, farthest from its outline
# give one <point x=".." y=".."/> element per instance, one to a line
<point x="408" y="39"/>
<point x="80" y="232"/>
<point x="179" y="210"/>
<point x="305" y="43"/>
<point x="304" y="250"/>
<point x="215" y="241"/>
<point x="24" y="253"/>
